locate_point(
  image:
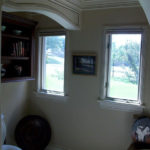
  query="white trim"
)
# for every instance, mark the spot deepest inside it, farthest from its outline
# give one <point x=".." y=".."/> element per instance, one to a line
<point x="49" y="96"/>
<point x="108" y="42"/>
<point x="109" y="33"/>
<point x="39" y="65"/>
<point x="137" y="28"/>
<point x="43" y="63"/>
<point x="115" y="105"/>
<point x="66" y="65"/>
<point x="125" y="28"/>
<point x="40" y="78"/>
<point x="46" y="32"/>
<point x="94" y="5"/>
<point x="143" y="65"/>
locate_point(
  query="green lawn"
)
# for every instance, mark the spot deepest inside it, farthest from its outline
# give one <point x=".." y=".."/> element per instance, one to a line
<point x="123" y="90"/>
<point x="118" y="89"/>
<point x="54" y="77"/>
<point x="52" y="83"/>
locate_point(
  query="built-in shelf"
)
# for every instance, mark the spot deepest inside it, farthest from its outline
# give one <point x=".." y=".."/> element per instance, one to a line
<point x="16" y="79"/>
<point x="15" y="58"/>
<point x="17" y="50"/>
<point x="15" y="36"/>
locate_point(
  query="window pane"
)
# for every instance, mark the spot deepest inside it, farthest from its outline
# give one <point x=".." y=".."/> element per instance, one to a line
<point x="54" y="63"/>
<point x="124" y="66"/>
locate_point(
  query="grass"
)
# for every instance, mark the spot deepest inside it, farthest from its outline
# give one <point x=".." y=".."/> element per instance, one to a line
<point x="54" y="77"/>
<point x="124" y="90"/>
<point x="52" y="83"/>
<point x="118" y="88"/>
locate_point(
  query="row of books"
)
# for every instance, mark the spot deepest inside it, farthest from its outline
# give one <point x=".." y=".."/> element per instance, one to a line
<point x="18" y="49"/>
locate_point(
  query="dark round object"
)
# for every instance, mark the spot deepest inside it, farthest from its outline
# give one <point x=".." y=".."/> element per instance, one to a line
<point x="141" y="130"/>
<point x="32" y="133"/>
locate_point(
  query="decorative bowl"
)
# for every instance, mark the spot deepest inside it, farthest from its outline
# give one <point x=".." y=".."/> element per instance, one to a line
<point x="17" y="32"/>
<point x="3" y="28"/>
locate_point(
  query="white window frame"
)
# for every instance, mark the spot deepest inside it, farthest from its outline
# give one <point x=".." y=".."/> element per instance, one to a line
<point x="121" y="104"/>
<point x="41" y="68"/>
<point x="108" y="34"/>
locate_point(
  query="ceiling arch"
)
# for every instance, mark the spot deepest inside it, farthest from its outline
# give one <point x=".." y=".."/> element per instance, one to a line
<point x="68" y="18"/>
<point x="66" y="12"/>
<point x="146" y="7"/>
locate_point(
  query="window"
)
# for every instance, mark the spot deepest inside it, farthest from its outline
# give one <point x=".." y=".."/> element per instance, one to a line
<point x="52" y="69"/>
<point x="123" y="69"/>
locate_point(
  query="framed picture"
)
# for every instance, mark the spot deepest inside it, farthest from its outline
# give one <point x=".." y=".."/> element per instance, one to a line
<point x="84" y="64"/>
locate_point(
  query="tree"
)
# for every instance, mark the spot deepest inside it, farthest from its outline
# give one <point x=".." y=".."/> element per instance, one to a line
<point x="127" y="55"/>
<point x="56" y="44"/>
<point x="133" y="60"/>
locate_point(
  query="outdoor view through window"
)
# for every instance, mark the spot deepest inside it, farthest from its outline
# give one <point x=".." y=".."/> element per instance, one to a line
<point x="53" y="67"/>
<point x="124" y="66"/>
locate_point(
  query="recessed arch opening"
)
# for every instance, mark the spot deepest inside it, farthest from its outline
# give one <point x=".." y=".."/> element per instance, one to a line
<point x="51" y="13"/>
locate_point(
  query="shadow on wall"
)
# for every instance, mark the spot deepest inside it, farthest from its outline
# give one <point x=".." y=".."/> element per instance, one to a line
<point x="14" y="105"/>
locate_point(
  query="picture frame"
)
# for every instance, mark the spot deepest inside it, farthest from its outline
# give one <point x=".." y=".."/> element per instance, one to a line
<point x="84" y="64"/>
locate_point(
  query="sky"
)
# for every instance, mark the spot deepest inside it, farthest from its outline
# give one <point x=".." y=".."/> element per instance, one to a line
<point x="121" y="39"/>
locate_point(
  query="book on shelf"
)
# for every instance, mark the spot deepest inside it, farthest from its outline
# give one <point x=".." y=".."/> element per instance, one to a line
<point x="18" y="49"/>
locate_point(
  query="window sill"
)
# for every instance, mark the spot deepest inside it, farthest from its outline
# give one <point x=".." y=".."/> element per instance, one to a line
<point x="121" y="106"/>
<point x="50" y="96"/>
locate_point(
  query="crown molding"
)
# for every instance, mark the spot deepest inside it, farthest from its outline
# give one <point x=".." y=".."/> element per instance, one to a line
<point x="82" y="5"/>
<point x="97" y="4"/>
<point x="73" y="5"/>
<point x="77" y="6"/>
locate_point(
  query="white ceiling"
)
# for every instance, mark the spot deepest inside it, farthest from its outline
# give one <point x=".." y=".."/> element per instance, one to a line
<point x="81" y="5"/>
<point x="99" y="4"/>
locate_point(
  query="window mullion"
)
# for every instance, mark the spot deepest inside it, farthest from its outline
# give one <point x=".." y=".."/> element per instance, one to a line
<point x="140" y="72"/>
<point x="43" y="63"/>
<point x="109" y="41"/>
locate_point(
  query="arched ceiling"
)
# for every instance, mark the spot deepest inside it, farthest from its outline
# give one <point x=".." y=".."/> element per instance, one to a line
<point x="67" y="17"/>
<point x="146" y="7"/>
<point x="65" y="12"/>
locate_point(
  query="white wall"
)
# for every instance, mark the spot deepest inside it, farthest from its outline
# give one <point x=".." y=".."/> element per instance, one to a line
<point x="79" y="123"/>
<point x="14" y="98"/>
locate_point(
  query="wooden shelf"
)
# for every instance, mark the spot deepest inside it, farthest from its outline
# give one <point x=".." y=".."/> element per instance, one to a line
<point x="17" y="50"/>
<point x="15" y="36"/>
<point x="16" y="79"/>
<point x="15" y="58"/>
